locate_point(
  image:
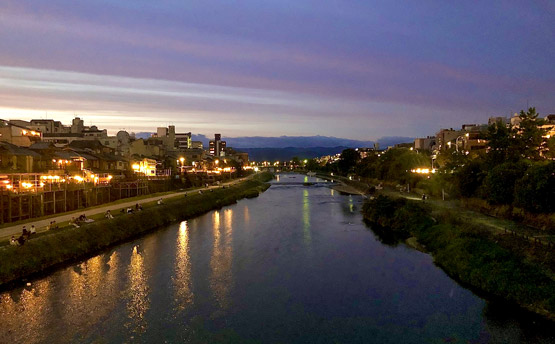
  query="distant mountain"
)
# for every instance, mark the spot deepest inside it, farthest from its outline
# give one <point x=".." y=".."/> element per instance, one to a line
<point x="143" y="135"/>
<point x="295" y="141"/>
<point x="387" y="141"/>
<point x="287" y="153"/>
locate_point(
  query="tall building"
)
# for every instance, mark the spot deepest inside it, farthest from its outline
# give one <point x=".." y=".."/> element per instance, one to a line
<point x="217" y="146"/>
<point x="444" y="136"/>
<point x="425" y="143"/>
<point x="496" y="119"/>
<point x="77" y="125"/>
<point x="183" y="140"/>
<point x="167" y="136"/>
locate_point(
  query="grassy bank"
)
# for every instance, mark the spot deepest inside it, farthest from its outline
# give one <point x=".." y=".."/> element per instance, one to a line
<point x="469" y="254"/>
<point x="71" y="244"/>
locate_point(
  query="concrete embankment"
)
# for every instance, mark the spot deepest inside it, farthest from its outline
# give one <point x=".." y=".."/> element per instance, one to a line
<point x="71" y="244"/>
<point x="344" y="185"/>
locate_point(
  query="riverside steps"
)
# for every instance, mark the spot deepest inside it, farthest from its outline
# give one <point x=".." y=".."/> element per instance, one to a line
<point x="68" y="244"/>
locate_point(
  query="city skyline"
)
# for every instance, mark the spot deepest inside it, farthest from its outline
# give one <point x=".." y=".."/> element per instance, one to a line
<point x="356" y="71"/>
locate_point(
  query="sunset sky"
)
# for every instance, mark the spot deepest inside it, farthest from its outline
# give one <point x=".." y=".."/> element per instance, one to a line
<point x="353" y="69"/>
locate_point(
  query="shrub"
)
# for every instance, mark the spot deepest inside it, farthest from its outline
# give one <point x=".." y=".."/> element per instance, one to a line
<point x="534" y="191"/>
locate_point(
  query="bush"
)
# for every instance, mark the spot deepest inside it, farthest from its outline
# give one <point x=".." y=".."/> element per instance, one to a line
<point x="534" y="192"/>
<point x="500" y="182"/>
<point x="468" y="253"/>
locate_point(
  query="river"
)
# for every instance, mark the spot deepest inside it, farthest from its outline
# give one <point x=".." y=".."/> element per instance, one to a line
<point x="295" y="265"/>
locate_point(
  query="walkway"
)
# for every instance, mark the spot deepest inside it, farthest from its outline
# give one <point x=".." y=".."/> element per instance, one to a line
<point x="7" y="232"/>
<point x="495" y="225"/>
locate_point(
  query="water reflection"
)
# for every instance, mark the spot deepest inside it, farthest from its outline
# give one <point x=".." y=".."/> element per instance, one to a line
<point x="137" y="294"/>
<point x="222" y="255"/>
<point x="247" y="216"/>
<point x="306" y="217"/>
<point x="88" y="288"/>
<point x="182" y="279"/>
<point x="266" y="284"/>
<point x="25" y="311"/>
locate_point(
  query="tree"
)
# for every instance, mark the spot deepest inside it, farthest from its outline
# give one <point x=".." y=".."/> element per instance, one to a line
<point x="534" y="192"/>
<point x="469" y="178"/>
<point x="501" y="144"/>
<point x="295" y="162"/>
<point x="549" y="148"/>
<point x="500" y="182"/>
<point x="450" y="160"/>
<point x="368" y="167"/>
<point x="530" y="134"/>
<point x="312" y="165"/>
<point x="348" y="160"/>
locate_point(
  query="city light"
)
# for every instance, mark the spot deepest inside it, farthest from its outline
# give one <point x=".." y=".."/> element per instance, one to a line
<point x="423" y="170"/>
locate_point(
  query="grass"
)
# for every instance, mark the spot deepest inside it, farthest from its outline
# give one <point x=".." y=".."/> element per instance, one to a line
<point x="471" y="254"/>
<point x="122" y="200"/>
<point x="70" y="243"/>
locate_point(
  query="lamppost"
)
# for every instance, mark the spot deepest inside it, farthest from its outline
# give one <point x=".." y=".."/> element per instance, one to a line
<point x="460" y="137"/>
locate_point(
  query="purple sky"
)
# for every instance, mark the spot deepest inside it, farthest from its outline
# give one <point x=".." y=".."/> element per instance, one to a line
<point x="354" y="69"/>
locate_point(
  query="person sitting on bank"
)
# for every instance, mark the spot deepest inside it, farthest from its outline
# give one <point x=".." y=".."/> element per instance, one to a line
<point x="13" y="241"/>
<point x="129" y="210"/>
<point x="108" y="214"/>
<point x="25" y="233"/>
<point x="74" y="222"/>
<point x="21" y="240"/>
<point x="83" y="218"/>
<point x="33" y="230"/>
<point x="160" y="201"/>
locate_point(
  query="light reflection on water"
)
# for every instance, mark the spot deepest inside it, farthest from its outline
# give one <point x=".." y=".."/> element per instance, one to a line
<point x="24" y="311"/>
<point x="295" y="265"/>
<point x="221" y="260"/>
<point x="182" y="279"/>
<point x="138" y="301"/>
<point x="306" y="218"/>
<point x="246" y="216"/>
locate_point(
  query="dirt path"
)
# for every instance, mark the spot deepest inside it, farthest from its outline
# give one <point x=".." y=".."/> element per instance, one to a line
<point x="40" y="225"/>
<point x="495" y="225"/>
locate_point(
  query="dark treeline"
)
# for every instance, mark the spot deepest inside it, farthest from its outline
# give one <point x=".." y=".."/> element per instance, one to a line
<point x="516" y="170"/>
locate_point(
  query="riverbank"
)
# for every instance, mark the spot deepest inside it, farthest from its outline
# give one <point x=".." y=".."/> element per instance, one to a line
<point x="470" y="254"/>
<point x="97" y="212"/>
<point x="71" y="244"/>
<point x="346" y="186"/>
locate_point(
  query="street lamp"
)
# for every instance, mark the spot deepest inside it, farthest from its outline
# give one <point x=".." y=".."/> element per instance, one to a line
<point x="182" y="160"/>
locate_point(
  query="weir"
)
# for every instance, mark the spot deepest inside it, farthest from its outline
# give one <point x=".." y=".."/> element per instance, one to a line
<point x="305" y="183"/>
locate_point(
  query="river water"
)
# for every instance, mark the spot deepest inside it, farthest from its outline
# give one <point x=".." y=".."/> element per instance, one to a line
<point x="295" y="265"/>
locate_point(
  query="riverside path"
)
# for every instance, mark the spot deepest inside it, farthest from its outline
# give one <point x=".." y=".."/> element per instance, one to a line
<point x="40" y="224"/>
